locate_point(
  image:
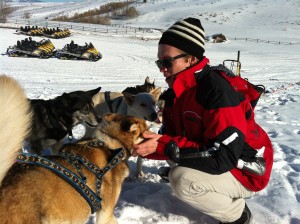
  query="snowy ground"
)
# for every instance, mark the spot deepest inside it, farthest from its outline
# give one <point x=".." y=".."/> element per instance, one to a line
<point x="128" y="60"/>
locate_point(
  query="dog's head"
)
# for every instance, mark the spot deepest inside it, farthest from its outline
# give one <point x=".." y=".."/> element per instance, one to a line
<point x="77" y="107"/>
<point x="143" y="105"/>
<point x="121" y="131"/>
<point x="147" y="87"/>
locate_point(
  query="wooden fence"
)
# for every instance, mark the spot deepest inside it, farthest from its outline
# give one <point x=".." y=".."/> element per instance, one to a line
<point x="120" y="29"/>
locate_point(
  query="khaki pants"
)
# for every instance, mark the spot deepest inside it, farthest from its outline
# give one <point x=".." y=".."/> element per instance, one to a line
<point x="219" y="196"/>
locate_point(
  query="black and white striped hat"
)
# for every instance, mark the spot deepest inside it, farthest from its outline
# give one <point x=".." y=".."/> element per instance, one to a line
<point x="186" y="35"/>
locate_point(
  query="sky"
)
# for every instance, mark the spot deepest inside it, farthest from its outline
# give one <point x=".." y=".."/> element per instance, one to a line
<point x="129" y="58"/>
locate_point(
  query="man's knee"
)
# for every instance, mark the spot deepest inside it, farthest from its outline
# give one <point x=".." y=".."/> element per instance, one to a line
<point x="179" y="182"/>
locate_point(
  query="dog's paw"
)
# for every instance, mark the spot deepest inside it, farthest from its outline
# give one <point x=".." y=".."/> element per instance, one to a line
<point x="140" y="175"/>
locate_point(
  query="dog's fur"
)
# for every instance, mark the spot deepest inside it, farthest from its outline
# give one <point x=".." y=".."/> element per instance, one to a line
<point x="34" y="194"/>
<point x="15" y="120"/>
<point x="54" y="119"/>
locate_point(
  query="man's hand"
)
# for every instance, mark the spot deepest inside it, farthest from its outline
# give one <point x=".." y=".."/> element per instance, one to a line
<point x="148" y="146"/>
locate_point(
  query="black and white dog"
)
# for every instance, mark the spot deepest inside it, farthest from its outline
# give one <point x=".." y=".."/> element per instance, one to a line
<point x="53" y="120"/>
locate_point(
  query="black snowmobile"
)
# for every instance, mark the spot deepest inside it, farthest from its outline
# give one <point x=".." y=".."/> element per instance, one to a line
<point x="31" y="48"/>
<point x="74" y="51"/>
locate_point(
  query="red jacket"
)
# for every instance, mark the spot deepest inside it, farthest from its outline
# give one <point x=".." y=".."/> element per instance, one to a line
<point x="209" y="110"/>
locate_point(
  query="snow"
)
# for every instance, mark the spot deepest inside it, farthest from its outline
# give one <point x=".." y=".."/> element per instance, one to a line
<point x="128" y="59"/>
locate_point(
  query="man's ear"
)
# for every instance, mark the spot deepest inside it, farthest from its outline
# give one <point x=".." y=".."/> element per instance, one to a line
<point x="193" y="60"/>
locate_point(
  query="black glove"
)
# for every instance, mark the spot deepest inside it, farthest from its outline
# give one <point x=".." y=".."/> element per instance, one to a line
<point x="173" y="152"/>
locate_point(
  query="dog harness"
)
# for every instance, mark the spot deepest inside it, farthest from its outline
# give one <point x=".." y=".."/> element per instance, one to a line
<point x="78" y="181"/>
<point x="110" y="102"/>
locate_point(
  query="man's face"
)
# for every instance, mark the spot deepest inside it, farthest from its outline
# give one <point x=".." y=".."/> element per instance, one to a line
<point x="177" y="65"/>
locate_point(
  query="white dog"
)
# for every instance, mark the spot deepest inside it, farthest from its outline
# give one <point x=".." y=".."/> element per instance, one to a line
<point x="142" y="105"/>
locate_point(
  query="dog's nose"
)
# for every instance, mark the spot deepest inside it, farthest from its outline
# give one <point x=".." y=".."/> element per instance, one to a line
<point x="99" y="119"/>
<point x="153" y="116"/>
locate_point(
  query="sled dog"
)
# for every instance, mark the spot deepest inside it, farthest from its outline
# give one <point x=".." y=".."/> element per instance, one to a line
<point x="32" y="193"/>
<point x="142" y="105"/>
<point x="54" y="119"/>
<point x="147" y="87"/>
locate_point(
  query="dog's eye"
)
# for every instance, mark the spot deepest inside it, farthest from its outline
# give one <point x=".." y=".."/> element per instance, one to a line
<point x="143" y="105"/>
<point x="85" y="109"/>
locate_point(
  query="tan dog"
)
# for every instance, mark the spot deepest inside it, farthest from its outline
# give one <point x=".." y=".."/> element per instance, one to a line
<point x="34" y="194"/>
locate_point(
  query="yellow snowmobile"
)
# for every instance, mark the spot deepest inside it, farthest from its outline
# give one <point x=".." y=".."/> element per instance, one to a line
<point x="31" y="48"/>
<point x="73" y="51"/>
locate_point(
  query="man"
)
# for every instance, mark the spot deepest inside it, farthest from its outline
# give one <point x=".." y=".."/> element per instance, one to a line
<point x="223" y="156"/>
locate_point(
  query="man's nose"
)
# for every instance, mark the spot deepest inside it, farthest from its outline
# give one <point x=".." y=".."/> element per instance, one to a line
<point x="163" y="69"/>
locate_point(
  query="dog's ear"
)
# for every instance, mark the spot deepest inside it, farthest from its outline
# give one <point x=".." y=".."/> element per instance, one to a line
<point x="156" y="93"/>
<point x="65" y="101"/>
<point x="126" y="124"/>
<point x="93" y="92"/>
<point x="135" y="126"/>
<point x="129" y="98"/>
<point x="147" y="80"/>
<point x="109" y="117"/>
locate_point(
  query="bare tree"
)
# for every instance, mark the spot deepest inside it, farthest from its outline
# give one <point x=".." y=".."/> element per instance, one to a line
<point x="2" y="14"/>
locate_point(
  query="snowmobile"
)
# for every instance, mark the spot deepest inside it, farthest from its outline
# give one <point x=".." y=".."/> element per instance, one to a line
<point x="30" y="31"/>
<point x="44" y="31"/>
<point x="56" y="33"/>
<point x="73" y="51"/>
<point x="31" y="48"/>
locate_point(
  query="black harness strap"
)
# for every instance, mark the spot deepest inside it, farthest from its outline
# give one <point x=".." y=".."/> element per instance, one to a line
<point x="110" y="102"/>
<point x="78" y="182"/>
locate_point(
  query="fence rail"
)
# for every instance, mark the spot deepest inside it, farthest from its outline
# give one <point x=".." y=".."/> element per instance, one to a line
<point x="83" y="26"/>
<point x="263" y="41"/>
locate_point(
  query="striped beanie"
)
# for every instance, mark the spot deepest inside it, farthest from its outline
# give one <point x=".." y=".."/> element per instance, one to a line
<point x="186" y="35"/>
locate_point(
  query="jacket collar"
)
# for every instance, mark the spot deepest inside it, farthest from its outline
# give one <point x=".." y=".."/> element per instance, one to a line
<point x="186" y="79"/>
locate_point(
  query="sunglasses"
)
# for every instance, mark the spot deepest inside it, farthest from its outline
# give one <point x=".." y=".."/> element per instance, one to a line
<point x="167" y="63"/>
